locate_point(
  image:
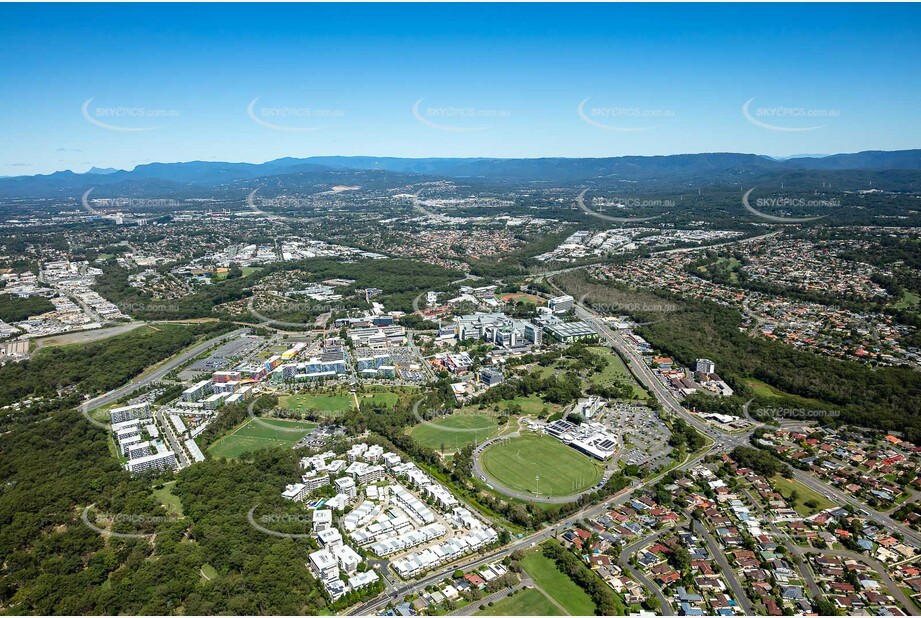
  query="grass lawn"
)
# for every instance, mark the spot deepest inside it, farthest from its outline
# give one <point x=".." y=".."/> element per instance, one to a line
<point x="562" y="470"/>
<point x="438" y="432"/>
<point x="384" y="400"/>
<point x="532" y="404"/>
<point x="253" y="436"/>
<point x="788" y="486"/>
<point x="616" y="368"/>
<point x="208" y="573"/>
<point x="762" y="389"/>
<point x="908" y="300"/>
<point x="558" y="585"/>
<point x="329" y="404"/>
<point x="525" y="603"/>
<point x="168" y="499"/>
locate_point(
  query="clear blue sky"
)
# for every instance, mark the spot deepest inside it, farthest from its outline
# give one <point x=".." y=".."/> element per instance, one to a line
<point x="495" y="80"/>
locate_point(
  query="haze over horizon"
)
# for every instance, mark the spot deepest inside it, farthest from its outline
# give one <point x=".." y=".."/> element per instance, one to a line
<point x="115" y="89"/>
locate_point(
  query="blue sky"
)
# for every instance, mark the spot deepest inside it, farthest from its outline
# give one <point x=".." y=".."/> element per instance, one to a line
<point x="171" y="82"/>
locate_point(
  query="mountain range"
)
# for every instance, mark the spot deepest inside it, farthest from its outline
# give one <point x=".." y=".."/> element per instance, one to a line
<point x="199" y="177"/>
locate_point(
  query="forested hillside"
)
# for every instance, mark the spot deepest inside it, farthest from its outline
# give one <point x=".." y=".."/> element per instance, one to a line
<point x="93" y="368"/>
<point x="52" y="563"/>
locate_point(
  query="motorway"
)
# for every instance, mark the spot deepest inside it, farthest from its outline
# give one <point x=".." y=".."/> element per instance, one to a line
<point x="729" y="441"/>
<point x="155" y="375"/>
<point x="723" y="442"/>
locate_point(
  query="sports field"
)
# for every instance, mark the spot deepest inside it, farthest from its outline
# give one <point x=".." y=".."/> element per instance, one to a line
<point x="562" y="470"/>
<point x="472" y="428"/>
<point x="253" y="436"/>
<point x="331" y="405"/>
<point x="525" y="603"/>
<point x="557" y="584"/>
<point x="524" y="298"/>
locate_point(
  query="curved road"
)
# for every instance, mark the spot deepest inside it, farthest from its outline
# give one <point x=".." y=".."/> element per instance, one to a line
<point x="627" y="552"/>
<point x="473" y="562"/>
<point x="145" y="379"/>
<point x="880" y="570"/>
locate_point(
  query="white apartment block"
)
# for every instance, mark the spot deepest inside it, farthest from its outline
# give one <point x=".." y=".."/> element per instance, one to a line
<point x="158" y="461"/>
<point x="322" y="519"/>
<point x="129" y="413"/>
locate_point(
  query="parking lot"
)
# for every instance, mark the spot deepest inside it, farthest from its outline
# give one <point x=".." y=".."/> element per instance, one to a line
<point x="643" y="435"/>
<point x="223" y="356"/>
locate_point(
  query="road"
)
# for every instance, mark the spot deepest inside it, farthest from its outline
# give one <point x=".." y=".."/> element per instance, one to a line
<point x="804" y="570"/>
<point x="730" y="573"/>
<point x="521" y="544"/>
<point x="723" y="442"/>
<point x="627" y="552"/>
<point x="840" y="497"/>
<point x="880" y="570"/>
<point x="169" y="433"/>
<point x="155" y="375"/>
<point x="728" y="441"/>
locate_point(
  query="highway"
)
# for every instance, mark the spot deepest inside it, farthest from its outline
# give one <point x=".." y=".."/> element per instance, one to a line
<point x="155" y="375"/>
<point x="723" y="442"/>
<point x="728" y="441"/>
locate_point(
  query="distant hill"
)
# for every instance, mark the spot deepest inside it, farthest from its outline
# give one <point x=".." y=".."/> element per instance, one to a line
<point x="200" y="177"/>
